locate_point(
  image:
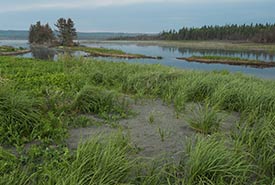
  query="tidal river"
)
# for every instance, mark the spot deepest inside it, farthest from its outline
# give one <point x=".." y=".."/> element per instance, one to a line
<point x="169" y="55"/>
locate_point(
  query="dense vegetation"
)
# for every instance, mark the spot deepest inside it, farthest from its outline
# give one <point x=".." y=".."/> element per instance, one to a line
<point x="44" y="35"/>
<point x="9" y="49"/>
<point x="260" y="33"/>
<point x="66" y="31"/>
<point x="41" y="34"/>
<point x="256" y="33"/>
<point x="41" y="100"/>
<point x="228" y="60"/>
<point x="105" y="52"/>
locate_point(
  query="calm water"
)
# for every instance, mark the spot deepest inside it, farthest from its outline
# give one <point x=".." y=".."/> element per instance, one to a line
<point x="169" y="55"/>
<point x="39" y="52"/>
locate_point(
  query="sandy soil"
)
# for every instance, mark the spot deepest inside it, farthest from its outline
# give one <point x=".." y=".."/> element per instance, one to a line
<point x="155" y="130"/>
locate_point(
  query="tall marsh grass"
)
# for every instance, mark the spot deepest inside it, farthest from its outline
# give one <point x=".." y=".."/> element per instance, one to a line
<point x="19" y="116"/>
<point x="204" y="118"/>
<point x="96" y="161"/>
<point x="99" y="161"/>
<point x="42" y="94"/>
<point x="211" y="161"/>
<point x="99" y="101"/>
<point x="256" y="136"/>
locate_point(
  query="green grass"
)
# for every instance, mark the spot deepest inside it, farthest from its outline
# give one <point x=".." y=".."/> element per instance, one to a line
<point x="222" y="58"/>
<point x="105" y="52"/>
<point x="9" y="49"/>
<point x="210" y="161"/>
<point x="255" y="136"/>
<point x="99" y="50"/>
<point x="219" y="57"/>
<point x="204" y="119"/>
<point x="216" y="45"/>
<point x="99" y="101"/>
<point x="95" y="162"/>
<point x="225" y="58"/>
<point x="41" y="100"/>
<point x="98" y="162"/>
<point x="19" y="116"/>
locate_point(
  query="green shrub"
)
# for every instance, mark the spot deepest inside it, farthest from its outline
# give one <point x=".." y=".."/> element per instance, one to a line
<point x="256" y="136"/>
<point x="198" y="90"/>
<point x="19" y="116"/>
<point x="98" y="161"/>
<point x="204" y="119"/>
<point x="211" y="161"/>
<point x="99" y="101"/>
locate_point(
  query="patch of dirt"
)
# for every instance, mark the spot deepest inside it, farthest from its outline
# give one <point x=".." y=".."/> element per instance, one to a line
<point x="155" y="130"/>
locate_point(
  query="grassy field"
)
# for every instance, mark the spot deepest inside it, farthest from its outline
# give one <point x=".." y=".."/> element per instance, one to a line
<point x="215" y="45"/>
<point x="41" y="100"/>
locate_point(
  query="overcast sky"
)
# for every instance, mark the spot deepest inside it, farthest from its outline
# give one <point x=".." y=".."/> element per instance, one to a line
<point x="134" y="15"/>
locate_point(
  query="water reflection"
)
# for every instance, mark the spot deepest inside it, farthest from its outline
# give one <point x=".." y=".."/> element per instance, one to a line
<point x="51" y="54"/>
<point x="169" y="55"/>
<point x="43" y="53"/>
<point x="252" y="55"/>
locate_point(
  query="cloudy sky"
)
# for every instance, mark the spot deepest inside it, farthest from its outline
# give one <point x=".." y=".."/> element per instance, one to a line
<point x="134" y="15"/>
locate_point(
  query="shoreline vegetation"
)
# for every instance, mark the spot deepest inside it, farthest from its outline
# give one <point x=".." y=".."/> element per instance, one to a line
<point x="92" y="52"/>
<point x="10" y="51"/>
<point x="104" y="52"/>
<point x="257" y="33"/>
<point x="228" y="60"/>
<point x="81" y="120"/>
<point x="206" y="45"/>
<point x="41" y="102"/>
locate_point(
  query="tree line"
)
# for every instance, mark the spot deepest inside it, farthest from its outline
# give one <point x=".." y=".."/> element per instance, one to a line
<point x="262" y="33"/>
<point x="64" y="35"/>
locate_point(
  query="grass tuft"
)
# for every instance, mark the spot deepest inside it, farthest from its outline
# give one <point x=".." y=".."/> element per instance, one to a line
<point x="211" y="161"/>
<point x="99" y="101"/>
<point x="204" y="118"/>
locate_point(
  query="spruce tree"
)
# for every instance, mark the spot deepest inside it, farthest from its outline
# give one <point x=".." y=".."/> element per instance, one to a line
<point x="41" y="34"/>
<point x="66" y="31"/>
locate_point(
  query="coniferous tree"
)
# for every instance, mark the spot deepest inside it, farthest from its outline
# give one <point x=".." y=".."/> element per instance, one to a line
<point x="66" y="31"/>
<point x="263" y="33"/>
<point x="41" y="34"/>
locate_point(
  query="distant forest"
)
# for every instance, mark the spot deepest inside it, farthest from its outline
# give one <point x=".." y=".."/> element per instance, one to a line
<point x="261" y="33"/>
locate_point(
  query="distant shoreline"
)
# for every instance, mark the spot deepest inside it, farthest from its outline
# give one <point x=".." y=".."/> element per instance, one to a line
<point x="207" y="45"/>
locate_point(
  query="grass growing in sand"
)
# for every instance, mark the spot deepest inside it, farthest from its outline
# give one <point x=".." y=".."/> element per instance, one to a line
<point x="41" y="100"/>
<point x="205" y="119"/>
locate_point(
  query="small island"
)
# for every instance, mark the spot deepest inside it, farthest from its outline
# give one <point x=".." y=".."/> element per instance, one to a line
<point x="228" y="60"/>
<point x="104" y="52"/>
<point x="40" y="34"/>
<point x="9" y="51"/>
